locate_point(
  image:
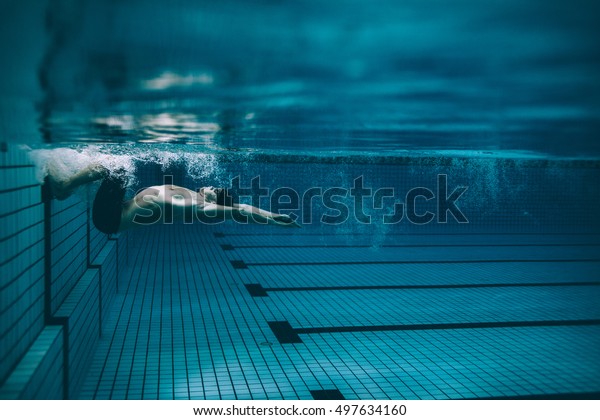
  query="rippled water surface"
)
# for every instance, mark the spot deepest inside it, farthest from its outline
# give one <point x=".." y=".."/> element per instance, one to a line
<point x="502" y="77"/>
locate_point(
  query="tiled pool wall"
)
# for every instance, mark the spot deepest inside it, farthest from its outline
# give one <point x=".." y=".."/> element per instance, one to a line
<point x="59" y="274"/>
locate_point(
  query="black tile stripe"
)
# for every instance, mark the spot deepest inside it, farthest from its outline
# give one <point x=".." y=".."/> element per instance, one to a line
<point x="66" y="208"/>
<point x="22" y="273"/>
<point x="231" y="247"/>
<point x="49" y="319"/>
<point x="24" y="187"/>
<point x="21" y="251"/>
<point x="16" y="166"/>
<point x="74" y="232"/>
<point x="412" y="262"/>
<point x="17" y="233"/>
<point x="9" y="327"/>
<point x="116" y="265"/>
<point x="68" y="222"/>
<point x="100" y="303"/>
<point x="47" y="261"/>
<point x="450" y="326"/>
<point x="257" y="290"/>
<point x="416" y="234"/>
<point x="285" y="334"/>
<point x="227" y="247"/>
<point x="10" y="213"/>
<point x="14" y="301"/>
<point x="327" y="394"/>
<point x="239" y="264"/>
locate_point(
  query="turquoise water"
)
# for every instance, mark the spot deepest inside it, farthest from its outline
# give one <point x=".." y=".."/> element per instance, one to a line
<point x="341" y="77"/>
<point x="442" y="161"/>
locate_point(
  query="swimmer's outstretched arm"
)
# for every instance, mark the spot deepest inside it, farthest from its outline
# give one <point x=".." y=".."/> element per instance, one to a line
<point x="245" y="212"/>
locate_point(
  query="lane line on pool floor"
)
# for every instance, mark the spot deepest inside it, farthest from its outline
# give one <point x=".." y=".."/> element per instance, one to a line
<point x="241" y="264"/>
<point x="257" y="290"/>
<point x="286" y="334"/>
<point x="229" y="247"/>
<point x="412" y="234"/>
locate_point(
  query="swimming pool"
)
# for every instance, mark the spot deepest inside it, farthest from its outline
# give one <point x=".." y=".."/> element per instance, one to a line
<point x="448" y="198"/>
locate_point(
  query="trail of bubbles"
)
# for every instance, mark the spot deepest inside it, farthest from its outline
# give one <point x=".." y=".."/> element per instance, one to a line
<point x="67" y="161"/>
<point x="202" y="165"/>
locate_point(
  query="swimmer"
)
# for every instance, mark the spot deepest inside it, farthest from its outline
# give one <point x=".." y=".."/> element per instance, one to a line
<point x="111" y="213"/>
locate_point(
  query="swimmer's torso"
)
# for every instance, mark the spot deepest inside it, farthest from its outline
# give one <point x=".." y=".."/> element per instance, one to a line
<point x="172" y="195"/>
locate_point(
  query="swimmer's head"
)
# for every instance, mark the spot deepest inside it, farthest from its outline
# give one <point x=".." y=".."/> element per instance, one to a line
<point x="216" y="195"/>
<point x="223" y="198"/>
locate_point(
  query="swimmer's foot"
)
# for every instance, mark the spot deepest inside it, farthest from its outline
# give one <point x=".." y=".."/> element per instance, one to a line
<point x="58" y="189"/>
<point x="54" y="187"/>
<point x="285" y="220"/>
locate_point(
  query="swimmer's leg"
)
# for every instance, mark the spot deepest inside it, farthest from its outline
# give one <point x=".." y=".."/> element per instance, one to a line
<point x="62" y="189"/>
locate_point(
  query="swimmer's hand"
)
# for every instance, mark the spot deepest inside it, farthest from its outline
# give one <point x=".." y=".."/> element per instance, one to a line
<point x="284" y="220"/>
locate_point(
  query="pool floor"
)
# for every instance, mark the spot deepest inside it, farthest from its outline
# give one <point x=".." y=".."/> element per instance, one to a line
<point x="223" y="313"/>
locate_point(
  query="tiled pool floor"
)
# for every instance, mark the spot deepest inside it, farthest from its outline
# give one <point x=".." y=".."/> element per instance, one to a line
<point x="228" y="314"/>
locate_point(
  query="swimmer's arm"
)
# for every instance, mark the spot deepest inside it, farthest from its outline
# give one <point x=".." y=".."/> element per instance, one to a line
<point x="245" y="213"/>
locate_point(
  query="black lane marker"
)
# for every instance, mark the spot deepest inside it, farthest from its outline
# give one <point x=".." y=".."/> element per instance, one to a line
<point x="227" y="247"/>
<point x="238" y="264"/>
<point x="408" y="246"/>
<point x="246" y="265"/>
<point x="286" y="334"/>
<point x="257" y="290"/>
<point x="222" y="235"/>
<point x="327" y="394"/>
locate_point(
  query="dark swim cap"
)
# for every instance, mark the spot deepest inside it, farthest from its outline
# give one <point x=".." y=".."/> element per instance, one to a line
<point x="223" y="198"/>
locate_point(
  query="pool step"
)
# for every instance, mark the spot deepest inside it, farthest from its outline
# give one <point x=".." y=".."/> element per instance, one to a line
<point x="39" y="374"/>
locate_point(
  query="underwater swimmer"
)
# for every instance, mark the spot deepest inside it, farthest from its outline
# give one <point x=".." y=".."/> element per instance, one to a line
<point x="111" y="213"/>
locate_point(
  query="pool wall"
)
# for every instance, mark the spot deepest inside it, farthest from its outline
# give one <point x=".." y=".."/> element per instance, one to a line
<point x="59" y="277"/>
